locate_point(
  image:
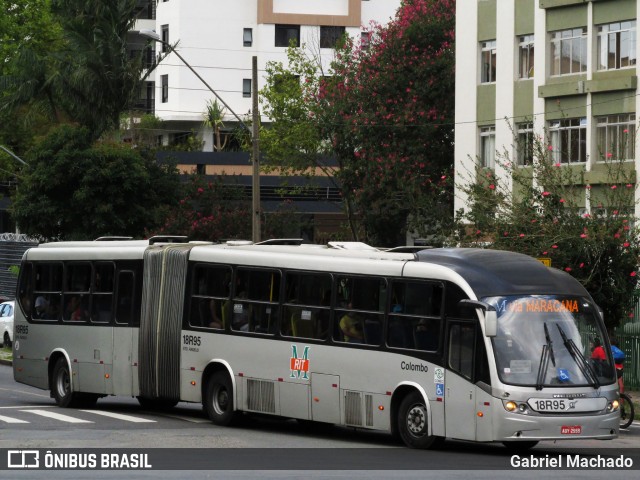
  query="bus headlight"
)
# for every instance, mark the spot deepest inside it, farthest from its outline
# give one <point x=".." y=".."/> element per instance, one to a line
<point x="613" y="406"/>
<point x="510" y="406"/>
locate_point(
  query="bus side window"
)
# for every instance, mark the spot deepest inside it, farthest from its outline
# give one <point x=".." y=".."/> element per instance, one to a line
<point x="102" y="294"/>
<point x="415" y="315"/>
<point x="307" y="305"/>
<point x="210" y="293"/>
<point x="125" y="294"/>
<point x="359" y="311"/>
<point x="47" y="291"/>
<point x="259" y="300"/>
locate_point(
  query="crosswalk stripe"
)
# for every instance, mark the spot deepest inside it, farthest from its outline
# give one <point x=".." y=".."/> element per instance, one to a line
<point x="57" y="416"/>
<point x="119" y="416"/>
<point x="11" y="420"/>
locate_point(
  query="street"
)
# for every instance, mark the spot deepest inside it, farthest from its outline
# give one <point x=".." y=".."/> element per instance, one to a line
<point x="29" y="419"/>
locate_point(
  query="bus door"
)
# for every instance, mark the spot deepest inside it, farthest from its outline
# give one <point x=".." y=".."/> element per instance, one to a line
<point x="460" y="390"/>
<point x="125" y="337"/>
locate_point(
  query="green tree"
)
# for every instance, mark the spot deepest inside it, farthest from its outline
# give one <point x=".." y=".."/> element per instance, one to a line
<point x="385" y="112"/>
<point x="76" y="189"/>
<point x="79" y="71"/>
<point x="539" y="211"/>
<point x="98" y="77"/>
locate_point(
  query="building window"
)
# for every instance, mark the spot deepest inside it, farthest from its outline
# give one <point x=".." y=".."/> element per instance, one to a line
<point x="246" y="87"/>
<point x="164" y="81"/>
<point x="615" y="136"/>
<point x="488" y="60"/>
<point x="286" y="33"/>
<point x="569" y="51"/>
<point x="165" y="38"/>
<point x="247" y="37"/>
<point x="617" y="45"/>
<point x="524" y="145"/>
<point x="488" y="146"/>
<point x="568" y="140"/>
<point x="525" y="57"/>
<point x="329" y="36"/>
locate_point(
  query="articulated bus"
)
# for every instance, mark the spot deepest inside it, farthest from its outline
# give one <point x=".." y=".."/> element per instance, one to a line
<point x="469" y="344"/>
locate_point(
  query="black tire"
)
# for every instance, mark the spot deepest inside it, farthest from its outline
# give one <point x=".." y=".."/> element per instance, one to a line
<point x="6" y="340"/>
<point x="156" y="403"/>
<point x="413" y="422"/>
<point x="627" y="412"/>
<point x="520" y="446"/>
<point x="218" y="399"/>
<point x="61" y="385"/>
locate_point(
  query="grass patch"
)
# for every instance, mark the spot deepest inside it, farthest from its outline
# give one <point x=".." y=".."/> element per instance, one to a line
<point x="6" y="353"/>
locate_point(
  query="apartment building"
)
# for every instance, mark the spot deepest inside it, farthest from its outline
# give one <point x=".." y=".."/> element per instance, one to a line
<point x="563" y="69"/>
<point x="219" y="38"/>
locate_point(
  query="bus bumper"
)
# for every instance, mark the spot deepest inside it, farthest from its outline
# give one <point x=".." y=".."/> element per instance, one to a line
<point x="522" y="427"/>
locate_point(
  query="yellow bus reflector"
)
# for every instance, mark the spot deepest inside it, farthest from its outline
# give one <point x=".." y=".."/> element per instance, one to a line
<point x="193" y="383"/>
<point x="480" y="414"/>
<point x="106" y="375"/>
<point x="316" y="399"/>
<point x="381" y="407"/>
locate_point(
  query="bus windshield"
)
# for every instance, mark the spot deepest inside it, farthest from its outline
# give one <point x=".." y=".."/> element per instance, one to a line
<point x="550" y="341"/>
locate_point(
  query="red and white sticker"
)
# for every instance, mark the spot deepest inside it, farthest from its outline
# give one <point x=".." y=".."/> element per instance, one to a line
<point x="571" y="429"/>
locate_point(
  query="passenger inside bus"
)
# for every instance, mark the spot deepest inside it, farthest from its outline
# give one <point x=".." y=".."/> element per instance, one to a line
<point x="351" y="326"/>
<point x="41" y="308"/>
<point x="75" y="311"/>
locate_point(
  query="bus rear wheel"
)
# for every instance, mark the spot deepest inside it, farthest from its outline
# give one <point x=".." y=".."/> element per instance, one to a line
<point x="218" y="399"/>
<point x="61" y="385"/>
<point x="413" y="422"/>
<point x="6" y="340"/>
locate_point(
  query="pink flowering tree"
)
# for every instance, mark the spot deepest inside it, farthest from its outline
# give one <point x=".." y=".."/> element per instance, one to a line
<point x="541" y="210"/>
<point x="218" y="209"/>
<point x="385" y="110"/>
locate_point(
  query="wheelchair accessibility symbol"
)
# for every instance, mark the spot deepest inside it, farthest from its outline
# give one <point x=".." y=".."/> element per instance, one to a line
<point x="563" y="375"/>
<point x="439" y="389"/>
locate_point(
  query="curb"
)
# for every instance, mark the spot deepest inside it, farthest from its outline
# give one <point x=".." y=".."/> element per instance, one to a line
<point x="9" y="363"/>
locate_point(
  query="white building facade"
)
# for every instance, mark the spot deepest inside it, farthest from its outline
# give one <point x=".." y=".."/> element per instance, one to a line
<point x="219" y="38"/>
<point x="563" y="69"/>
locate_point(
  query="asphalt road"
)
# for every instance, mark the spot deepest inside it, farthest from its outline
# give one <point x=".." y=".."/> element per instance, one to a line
<point x="29" y="419"/>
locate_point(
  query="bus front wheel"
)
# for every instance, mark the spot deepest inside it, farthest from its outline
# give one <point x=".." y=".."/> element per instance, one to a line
<point x="61" y="385"/>
<point x="218" y="401"/>
<point x="413" y="422"/>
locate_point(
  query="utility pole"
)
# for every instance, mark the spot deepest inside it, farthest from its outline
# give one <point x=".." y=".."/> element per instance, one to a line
<point x="255" y="156"/>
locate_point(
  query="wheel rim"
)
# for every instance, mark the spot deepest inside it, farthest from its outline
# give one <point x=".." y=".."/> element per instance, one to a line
<point x="62" y="383"/>
<point x="220" y="399"/>
<point x="417" y="420"/>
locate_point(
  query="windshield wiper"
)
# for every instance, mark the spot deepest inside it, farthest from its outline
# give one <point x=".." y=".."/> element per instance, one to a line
<point x="547" y="352"/>
<point x="549" y="344"/>
<point x="584" y="366"/>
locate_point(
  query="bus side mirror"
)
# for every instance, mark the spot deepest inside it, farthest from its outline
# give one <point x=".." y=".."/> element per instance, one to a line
<point x="490" y="323"/>
<point x="490" y="315"/>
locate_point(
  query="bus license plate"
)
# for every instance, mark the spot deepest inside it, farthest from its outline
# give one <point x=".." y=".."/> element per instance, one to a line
<point x="571" y="430"/>
<point x="548" y="405"/>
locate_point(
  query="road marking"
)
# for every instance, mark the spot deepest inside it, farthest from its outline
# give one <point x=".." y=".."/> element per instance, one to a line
<point x="11" y="420"/>
<point x="57" y="416"/>
<point x="31" y="406"/>
<point x="119" y="416"/>
<point x="25" y="392"/>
